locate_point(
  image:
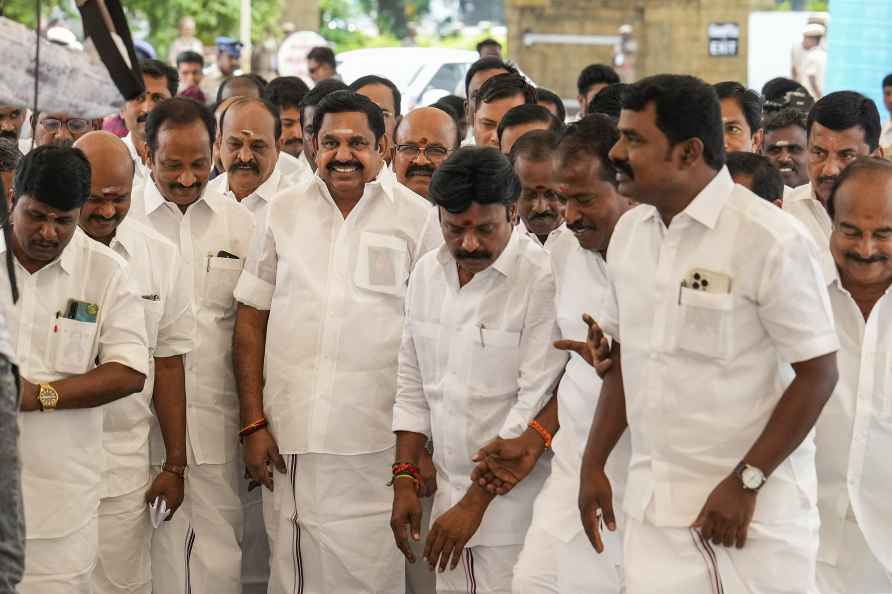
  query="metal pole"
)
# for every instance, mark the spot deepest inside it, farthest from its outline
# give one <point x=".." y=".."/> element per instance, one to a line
<point x="245" y="33"/>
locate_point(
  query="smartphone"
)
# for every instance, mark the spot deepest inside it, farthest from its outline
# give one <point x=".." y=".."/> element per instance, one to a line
<point x="708" y="281"/>
<point x="82" y="311"/>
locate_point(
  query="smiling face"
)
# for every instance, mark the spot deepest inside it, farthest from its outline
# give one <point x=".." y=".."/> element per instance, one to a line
<point x="292" y="134"/>
<point x="785" y="148"/>
<point x="248" y="147"/>
<point x="592" y="206"/>
<point x="477" y="237"/>
<point x="861" y="242"/>
<point x="538" y="207"/>
<point x="348" y="155"/>
<point x="181" y="164"/>
<point x="829" y="152"/>
<point x="111" y="183"/>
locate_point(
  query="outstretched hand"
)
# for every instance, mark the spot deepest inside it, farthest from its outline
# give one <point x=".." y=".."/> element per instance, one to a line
<point x="595" y="350"/>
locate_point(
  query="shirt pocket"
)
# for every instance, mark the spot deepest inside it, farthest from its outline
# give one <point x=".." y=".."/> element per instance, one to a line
<point x="154" y="310"/>
<point x="495" y="360"/>
<point x="885" y="391"/>
<point x="705" y="323"/>
<point x="382" y="264"/>
<point x="219" y="285"/>
<point x="73" y="345"/>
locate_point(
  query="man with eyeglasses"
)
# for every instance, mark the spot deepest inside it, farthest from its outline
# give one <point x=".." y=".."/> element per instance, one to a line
<point x="424" y="138"/>
<point x="540" y="213"/>
<point x="59" y="129"/>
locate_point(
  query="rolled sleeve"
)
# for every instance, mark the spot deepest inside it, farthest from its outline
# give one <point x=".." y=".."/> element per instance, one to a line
<point x="254" y="291"/>
<point x="793" y="302"/>
<point x="540" y="363"/>
<point x="257" y="282"/>
<point x="177" y="328"/>
<point x="122" y="337"/>
<point x="411" y="411"/>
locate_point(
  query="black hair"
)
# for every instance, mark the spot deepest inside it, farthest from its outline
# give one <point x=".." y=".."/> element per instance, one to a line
<point x="686" y="108"/>
<point x="535" y="145"/>
<point x="190" y="57"/>
<point x="783" y="119"/>
<point x="158" y="69"/>
<point x="870" y="165"/>
<point x="178" y="111"/>
<point x="484" y="64"/>
<point x="527" y="114"/>
<point x="56" y="176"/>
<point x="887" y="81"/>
<point x="373" y="79"/>
<point x="750" y="102"/>
<point x="594" y="135"/>
<point x="448" y="110"/>
<point x="474" y="174"/>
<point x="608" y="101"/>
<point x="349" y="101"/>
<point x="323" y="55"/>
<point x="456" y="103"/>
<point x="10" y="155"/>
<point x="286" y="92"/>
<point x="243" y="101"/>
<point x="547" y="96"/>
<point x="315" y="95"/>
<point x="502" y="86"/>
<point x="488" y="41"/>
<point x="842" y="110"/>
<point x="595" y="74"/>
<point x="766" y="179"/>
<point x="257" y="81"/>
<point x="776" y="88"/>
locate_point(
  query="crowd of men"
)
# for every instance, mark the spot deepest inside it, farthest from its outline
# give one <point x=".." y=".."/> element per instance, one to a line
<point x="303" y="339"/>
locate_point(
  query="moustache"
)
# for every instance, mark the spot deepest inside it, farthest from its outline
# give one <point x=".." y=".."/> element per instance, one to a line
<point x="62" y="142"/>
<point x="344" y="164"/>
<point x="252" y="165"/>
<point x="544" y="215"/>
<point x="102" y="219"/>
<point x="179" y="186"/>
<point x="426" y="170"/>
<point x="46" y="245"/>
<point x="463" y="255"/>
<point x="826" y="180"/>
<point x="623" y="167"/>
<point x="294" y="141"/>
<point x="141" y="118"/>
<point x="10" y="134"/>
<point x="579" y="227"/>
<point x="870" y="260"/>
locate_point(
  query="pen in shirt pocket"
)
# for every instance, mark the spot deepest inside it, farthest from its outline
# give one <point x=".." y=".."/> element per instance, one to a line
<point x="480" y="328"/>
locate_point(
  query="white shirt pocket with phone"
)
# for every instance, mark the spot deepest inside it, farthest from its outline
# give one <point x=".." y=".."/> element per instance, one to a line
<point x="705" y="323"/>
<point x="74" y="345"/>
<point x="222" y="276"/>
<point x="382" y="264"/>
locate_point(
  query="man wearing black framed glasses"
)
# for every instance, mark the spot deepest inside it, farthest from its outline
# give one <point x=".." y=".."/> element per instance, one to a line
<point x="423" y="140"/>
<point x="60" y="128"/>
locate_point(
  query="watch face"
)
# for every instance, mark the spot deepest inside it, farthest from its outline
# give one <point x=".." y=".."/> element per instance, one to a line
<point x="752" y="478"/>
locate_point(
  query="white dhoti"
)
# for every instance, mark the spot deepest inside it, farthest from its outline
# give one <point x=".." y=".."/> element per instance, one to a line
<point x="125" y="535"/>
<point x="856" y="570"/>
<point x="777" y="559"/>
<point x="483" y="570"/>
<point x="328" y="525"/>
<point x="199" y="550"/>
<point x="61" y="565"/>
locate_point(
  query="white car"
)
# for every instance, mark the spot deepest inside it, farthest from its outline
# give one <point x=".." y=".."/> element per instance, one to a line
<point x="422" y="74"/>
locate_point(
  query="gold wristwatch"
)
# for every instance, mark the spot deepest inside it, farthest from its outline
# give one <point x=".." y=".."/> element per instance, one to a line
<point x="48" y="398"/>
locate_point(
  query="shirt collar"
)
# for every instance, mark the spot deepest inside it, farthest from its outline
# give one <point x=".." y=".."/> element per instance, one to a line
<point x="805" y="192"/>
<point x="504" y="264"/>
<point x="123" y="238"/>
<point x="706" y="206"/>
<point x="66" y="260"/>
<point x="154" y="200"/>
<point x="264" y="191"/>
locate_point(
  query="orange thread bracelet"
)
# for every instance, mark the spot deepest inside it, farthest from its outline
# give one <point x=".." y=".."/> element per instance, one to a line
<point x="252" y="428"/>
<point x="543" y="432"/>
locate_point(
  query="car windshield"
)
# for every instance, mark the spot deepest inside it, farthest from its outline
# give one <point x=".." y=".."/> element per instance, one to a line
<point x="402" y="74"/>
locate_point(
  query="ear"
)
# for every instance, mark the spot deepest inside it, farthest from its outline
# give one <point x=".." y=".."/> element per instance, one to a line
<point x="779" y="202"/>
<point x="384" y="145"/>
<point x="9" y="201"/>
<point x="758" y="137"/>
<point x="880" y="152"/>
<point x="691" y="152"/>
<point x="512" y="213"/>
<point x="582" y="103"/>
<point x="280" y="142"/>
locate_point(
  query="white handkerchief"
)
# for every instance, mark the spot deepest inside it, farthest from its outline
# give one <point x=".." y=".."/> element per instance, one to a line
<point x="158" y="512"/>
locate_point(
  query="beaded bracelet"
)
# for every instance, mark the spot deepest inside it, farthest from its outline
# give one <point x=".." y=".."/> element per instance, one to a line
<point x="543" y="432"/>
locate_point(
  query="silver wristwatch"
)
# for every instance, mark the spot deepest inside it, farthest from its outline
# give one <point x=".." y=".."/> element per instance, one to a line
<point x="750" y="477"/>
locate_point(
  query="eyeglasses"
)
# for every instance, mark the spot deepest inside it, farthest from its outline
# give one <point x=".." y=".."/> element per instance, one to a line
<point x="75" y="125"/>
<point x="432" y="152"/>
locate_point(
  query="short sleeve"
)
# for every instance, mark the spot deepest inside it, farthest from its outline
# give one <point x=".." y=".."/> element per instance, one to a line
<point x="122" y="336"/>
<point x="258" y="279"/>
<point x="177" y="327"/>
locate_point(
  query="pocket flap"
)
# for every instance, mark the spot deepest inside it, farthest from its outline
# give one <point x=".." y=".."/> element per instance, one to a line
<point x="693" y="298"/>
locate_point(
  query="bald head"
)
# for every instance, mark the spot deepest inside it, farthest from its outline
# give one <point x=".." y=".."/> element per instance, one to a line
<point x="425" y="136"/>
<point x="111" y="181"/>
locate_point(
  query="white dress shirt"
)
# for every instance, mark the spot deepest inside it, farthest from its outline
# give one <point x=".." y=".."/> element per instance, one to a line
<point x="61" y="451"/>
<point x="475" y="362"/>
<point x="258" y="201"/>
<point x="559" y="234"/>
<point x="334" y="288"/>
<point x="296" y="168"/>
<point x="581" y="288"/>
<point x="211" y="230"/>
<point x="854" y="433"/>
<point x="704" y="371"/>
<point x="804" y="205"/>
<point x="165" y="292"/>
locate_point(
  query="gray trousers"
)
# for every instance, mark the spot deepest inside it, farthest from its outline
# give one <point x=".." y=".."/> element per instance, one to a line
<point x="12" y="520"/>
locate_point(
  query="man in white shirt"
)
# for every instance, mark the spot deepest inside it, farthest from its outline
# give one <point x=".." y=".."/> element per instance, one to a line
<point x="161" y="83"/>
<point x="841" y="127"/>
<point x="540" y="213"/>
<point x="476" y="361"/>
<point x="249" y="147"/>
<point x="166" y="296"/>
<point x="854" y="433"/>
<point x="200" y="547"/>
<point x="784" y="144"/>
<point x="316" y="344"/>
<point x="814" y="60"/>
<point x="724" y="355"/>
<point x="79" y="334"/>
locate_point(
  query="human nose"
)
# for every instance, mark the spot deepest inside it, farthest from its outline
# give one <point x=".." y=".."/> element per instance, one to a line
<point x="469" y="242"/>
